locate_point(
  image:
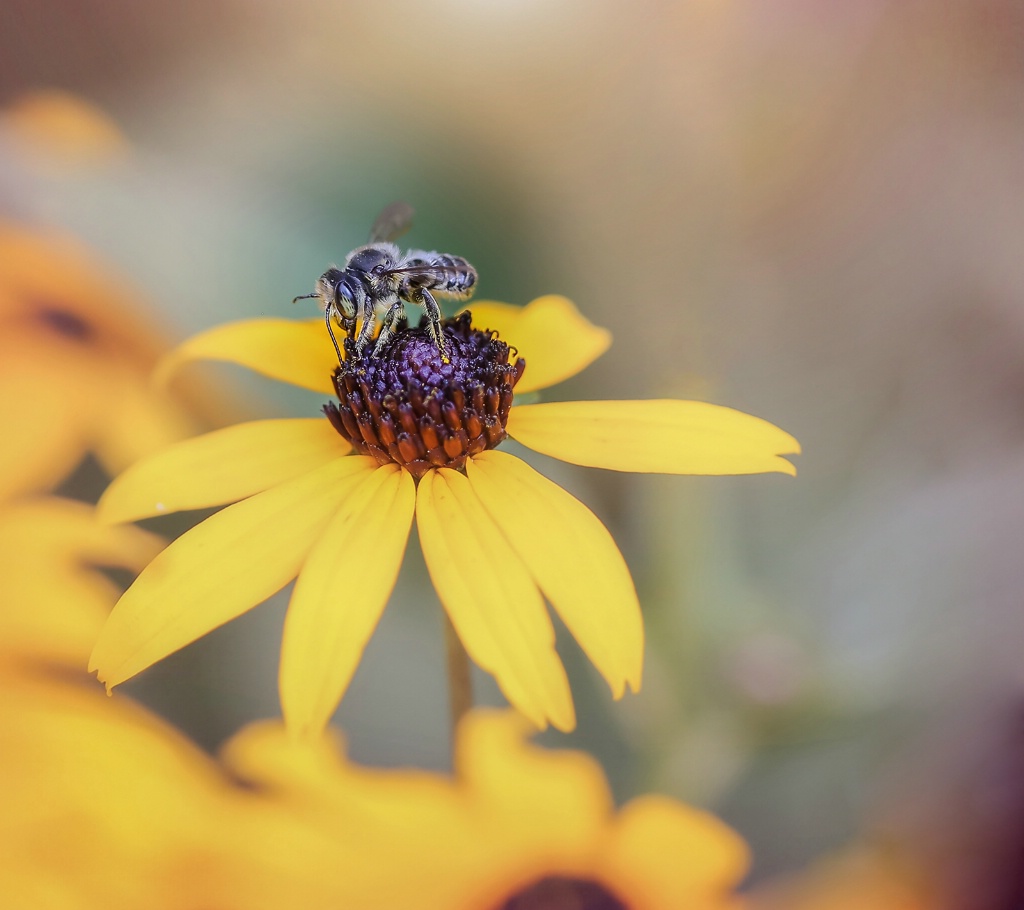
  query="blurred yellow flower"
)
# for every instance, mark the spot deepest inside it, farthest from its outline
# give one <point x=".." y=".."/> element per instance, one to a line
<point x="54" y="600"/>
<point x="518" y="826"/>
<point x="497" y="536"/>
<point x="58" y="130"/>
<point x="107" y="807"/>
<point x="104" y="805"/>
<point x="74" y="365"/>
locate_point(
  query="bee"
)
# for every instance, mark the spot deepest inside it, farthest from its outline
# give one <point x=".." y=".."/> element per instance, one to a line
<point x="379" y="276"/>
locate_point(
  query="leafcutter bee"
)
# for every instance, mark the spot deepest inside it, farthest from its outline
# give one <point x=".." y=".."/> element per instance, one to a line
<point x="380" y="277"/>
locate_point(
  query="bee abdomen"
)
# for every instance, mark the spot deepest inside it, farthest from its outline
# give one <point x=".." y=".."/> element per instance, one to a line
<point x="453" y="275"/>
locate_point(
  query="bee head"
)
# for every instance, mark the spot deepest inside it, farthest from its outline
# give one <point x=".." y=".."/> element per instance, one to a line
<point x="327" y="286"/>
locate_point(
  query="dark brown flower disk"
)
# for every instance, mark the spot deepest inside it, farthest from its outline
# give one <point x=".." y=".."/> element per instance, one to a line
<point x="406" y="405"/>
<point x="556" y="893"/>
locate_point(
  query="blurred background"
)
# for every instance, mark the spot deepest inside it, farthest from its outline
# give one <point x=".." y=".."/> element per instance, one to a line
<point x="812" y="212"/>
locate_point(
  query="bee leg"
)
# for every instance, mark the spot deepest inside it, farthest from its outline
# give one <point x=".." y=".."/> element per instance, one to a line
<point x="330" y="331"/>
<point x="366" y="329"/>
<point x="433" y="322"/>
<point x="394" y="320"/>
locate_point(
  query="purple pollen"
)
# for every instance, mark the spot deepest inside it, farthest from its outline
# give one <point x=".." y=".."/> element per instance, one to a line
<point x="406" y="405"/>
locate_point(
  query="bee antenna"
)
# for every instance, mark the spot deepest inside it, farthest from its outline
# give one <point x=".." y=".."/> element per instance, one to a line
<point x="303" y="297"/>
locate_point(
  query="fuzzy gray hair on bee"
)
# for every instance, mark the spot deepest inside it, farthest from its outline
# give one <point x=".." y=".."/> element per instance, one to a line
<point x="379" y="276"/>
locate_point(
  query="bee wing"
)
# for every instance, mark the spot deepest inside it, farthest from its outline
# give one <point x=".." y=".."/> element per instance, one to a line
<point x="394" y="221"/>
<point x="417" y="264"/>
<point x="418" y="271"/>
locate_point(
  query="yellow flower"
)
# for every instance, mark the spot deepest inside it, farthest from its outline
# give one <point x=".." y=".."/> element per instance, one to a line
<point x="518" y="826"/>
<point x="54" y="601"/>
<point x="59" y="131"/>
<point x="74" y="364"/>
<point x="108" y="807"/>
<point x="498" y="538"/>
<point x="104" y="805"/>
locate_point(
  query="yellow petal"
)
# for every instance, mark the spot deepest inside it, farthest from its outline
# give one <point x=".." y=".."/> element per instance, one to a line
<point x="573" y="559"/>
<point x="55" y="601"/>
<point x="141" y="419"/>
<point x="385" y="813"/>
<point x="265" y="756"/>
<point x="651" y="834"/>
<point x="530" y="792"/>
<point x="222" y="466"/>
<point x="104" y="799"/>
<point x="104" y="805"/>
<point x="61" y="130"/>
<point x="45" y="417"/>
<point x="658" y="437"/>
<point x="221" y="568"/>
<point x="491" y="599"/>
<point x="340" y="595"/>
<point x="494" y="315"/>
<point x="300" y="353"/>
<point x="553" y="336"/>
<point x="46" y="272"/>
